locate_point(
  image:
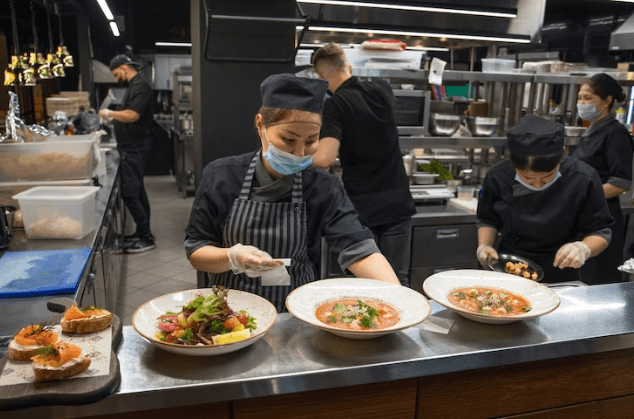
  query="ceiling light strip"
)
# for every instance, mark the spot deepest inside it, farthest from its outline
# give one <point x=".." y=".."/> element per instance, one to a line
<point x="410" y="8"/>
<point x="172" y="44"/>
<point x="424" y="34"/>
<point x="105" y="9"/>
<point x="115" y="28"/>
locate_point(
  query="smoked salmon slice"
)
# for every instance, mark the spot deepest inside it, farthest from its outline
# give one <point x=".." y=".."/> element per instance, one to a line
<point x="57" y="354"/>
<point x="36" y="335"/>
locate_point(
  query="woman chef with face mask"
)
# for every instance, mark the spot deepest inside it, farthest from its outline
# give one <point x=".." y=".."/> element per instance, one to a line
<point x="254" y="209"/>
<point x="548" y="209"/>
<point x="607" y="146"/>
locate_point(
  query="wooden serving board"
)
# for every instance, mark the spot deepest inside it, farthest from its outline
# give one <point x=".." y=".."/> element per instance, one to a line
<point x="73" y="391"/>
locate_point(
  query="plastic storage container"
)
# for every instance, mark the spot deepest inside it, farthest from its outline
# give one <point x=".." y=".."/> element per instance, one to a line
<point x="56" y="158"/>
<point x="8" y="189"/>
<point x="58" y="212"/>
<point x="497" y="65"/>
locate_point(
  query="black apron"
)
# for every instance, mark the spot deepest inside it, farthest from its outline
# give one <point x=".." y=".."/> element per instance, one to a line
<point x="276" y="228"/>
<point x="518" y="218"/>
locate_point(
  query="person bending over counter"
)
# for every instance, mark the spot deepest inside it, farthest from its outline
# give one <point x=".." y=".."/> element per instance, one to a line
<point x="549" y="209"/>
<point x="253" y="209"/>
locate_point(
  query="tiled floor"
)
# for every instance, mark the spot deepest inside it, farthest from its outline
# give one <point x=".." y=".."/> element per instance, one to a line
<point x="166" y="268"/>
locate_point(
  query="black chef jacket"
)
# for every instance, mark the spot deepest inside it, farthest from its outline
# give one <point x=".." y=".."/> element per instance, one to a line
<point x="607" y="146"/>
<point x="329" y="212"/>
<point x="536" y="224"/>
<point x="139" y="98"/>
<point x="361" y="116"/>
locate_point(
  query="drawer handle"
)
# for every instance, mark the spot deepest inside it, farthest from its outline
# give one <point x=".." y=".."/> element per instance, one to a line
<point x="447" y="234"/>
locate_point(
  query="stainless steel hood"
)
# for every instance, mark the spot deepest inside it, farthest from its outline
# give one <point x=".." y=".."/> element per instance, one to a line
<point x="426" y="28"/>
<point x="622" y="39"/>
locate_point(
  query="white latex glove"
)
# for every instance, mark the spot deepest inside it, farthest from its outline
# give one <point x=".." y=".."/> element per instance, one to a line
<point x="572" y="255"/>
<point x="251" y="261"/>
<point x="485" y="253"/>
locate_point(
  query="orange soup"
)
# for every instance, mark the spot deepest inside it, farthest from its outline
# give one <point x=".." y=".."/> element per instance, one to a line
<point x="356" y="314"/>
<point x="489" y="301"/>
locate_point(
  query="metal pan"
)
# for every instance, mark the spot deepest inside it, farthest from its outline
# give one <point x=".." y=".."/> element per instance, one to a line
<point x="498" y="265"/>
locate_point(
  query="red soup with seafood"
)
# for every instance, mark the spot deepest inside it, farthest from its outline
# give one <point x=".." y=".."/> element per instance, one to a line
<point x="356" y="314"/>
<point x="489" y="301"/>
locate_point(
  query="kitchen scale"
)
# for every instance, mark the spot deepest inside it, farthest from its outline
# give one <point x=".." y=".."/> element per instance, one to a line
<point x="430" y="193"/>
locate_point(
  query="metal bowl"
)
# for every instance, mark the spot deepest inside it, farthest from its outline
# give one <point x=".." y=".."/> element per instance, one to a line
<point x="574" y="131"/>
<point x="480" y="126"/>
<point x="443" y="125"/>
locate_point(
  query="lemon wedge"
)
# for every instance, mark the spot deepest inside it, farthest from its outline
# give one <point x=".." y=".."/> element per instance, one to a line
<point x="231" y="337"/>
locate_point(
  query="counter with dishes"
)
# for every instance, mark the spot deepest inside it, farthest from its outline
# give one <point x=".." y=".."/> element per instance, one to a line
<point x="102" y="264"/>
<point x="577" y="358"/>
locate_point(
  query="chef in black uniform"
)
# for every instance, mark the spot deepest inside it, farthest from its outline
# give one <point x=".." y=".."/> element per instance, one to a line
<point x="253" y="209"/>
<point x="359" y="126"/>
<point x="548" y="209"/>
<point x="133" y="131"/>
<point x="607" y="146"/>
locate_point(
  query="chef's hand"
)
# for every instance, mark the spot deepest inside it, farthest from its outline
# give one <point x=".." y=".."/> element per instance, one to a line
<point x="485" y="253"/>
<point x="572" y="255"/>
<point x="251" y="261"/>
<point x="105" y="114"/>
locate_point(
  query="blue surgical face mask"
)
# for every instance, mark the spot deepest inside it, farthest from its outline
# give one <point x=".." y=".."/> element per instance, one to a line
<point x="588" y="112"/>
<point x="285" y="163"/>
<point x="543" y="187"/>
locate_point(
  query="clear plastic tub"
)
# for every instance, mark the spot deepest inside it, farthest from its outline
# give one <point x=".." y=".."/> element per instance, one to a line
<point x="497" y="65"/>
<point x="58" y="212"/>
<point x="8" y="189"/>
<point x="56" y="158"/>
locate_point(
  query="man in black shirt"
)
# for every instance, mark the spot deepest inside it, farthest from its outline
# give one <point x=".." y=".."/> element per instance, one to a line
<point x="359" y="125"/>
<point x="133" y="131"/>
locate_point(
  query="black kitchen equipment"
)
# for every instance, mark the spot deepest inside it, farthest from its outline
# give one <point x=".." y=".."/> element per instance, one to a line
<point x="6" y="218"/>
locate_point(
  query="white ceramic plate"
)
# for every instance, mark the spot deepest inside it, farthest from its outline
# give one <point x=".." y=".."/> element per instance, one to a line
<point x="413" y="307"/>
<point x="144" y="319"/>
<point x="543" y="300"/>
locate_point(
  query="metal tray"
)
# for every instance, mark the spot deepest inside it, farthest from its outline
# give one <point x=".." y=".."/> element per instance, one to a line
<point x="498" y="265"/>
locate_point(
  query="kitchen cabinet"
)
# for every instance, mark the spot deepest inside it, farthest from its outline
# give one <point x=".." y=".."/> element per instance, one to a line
<point x="442" y="248"/>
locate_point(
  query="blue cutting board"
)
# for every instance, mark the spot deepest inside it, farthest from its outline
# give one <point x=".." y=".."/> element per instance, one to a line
<point x="42" y="272"/>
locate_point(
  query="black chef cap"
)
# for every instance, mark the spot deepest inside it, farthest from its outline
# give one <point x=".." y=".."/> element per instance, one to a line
<point x="534" y="136"/>
<point x="288" y="91"/>
<point x="120" y="60"/>
<point x="610" y="86"/>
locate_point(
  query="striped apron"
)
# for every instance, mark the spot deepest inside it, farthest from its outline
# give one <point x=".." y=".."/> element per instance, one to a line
<point x="276" y="228"/>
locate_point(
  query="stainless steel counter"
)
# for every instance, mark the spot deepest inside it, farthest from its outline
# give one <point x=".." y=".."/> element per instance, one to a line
<point x="20" y="311"/>
<point x="294" y="357"/>
<point x="441" y="214"/>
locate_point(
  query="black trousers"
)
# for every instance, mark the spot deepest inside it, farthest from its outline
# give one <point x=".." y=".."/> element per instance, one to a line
<point x="132" y="169"/>
<point x="394" y="241"/>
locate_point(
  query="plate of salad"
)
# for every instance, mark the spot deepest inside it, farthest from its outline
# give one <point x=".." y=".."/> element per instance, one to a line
<point x="206" y="321"/>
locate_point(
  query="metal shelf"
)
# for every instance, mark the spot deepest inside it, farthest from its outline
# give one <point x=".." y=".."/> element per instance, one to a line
<point x="420" y="141"/>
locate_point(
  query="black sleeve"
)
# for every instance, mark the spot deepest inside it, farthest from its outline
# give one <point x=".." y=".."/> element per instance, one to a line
<point x="204" y="227"/>
<point x="618" y="156"/>
<point x="342" y="228"/>
<point x="491" y="194"/>
<point x="594" y="214"/>
<point x="332" y="125"/>
<point x="139" y="98"/>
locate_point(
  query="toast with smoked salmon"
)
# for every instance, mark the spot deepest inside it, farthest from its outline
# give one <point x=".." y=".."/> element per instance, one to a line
<point x="59" y="361"/>
<point x="27" y="341"/>
<point x="86" y="320"/>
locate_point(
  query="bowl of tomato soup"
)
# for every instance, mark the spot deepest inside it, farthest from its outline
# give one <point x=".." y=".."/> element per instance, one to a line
<point x="490" y="297"/>
<point x="358" y="308"/>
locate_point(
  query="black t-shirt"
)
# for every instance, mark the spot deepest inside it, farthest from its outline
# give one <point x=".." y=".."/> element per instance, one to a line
<point x="360" y="114"/>
<point x="138" y="98"/>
